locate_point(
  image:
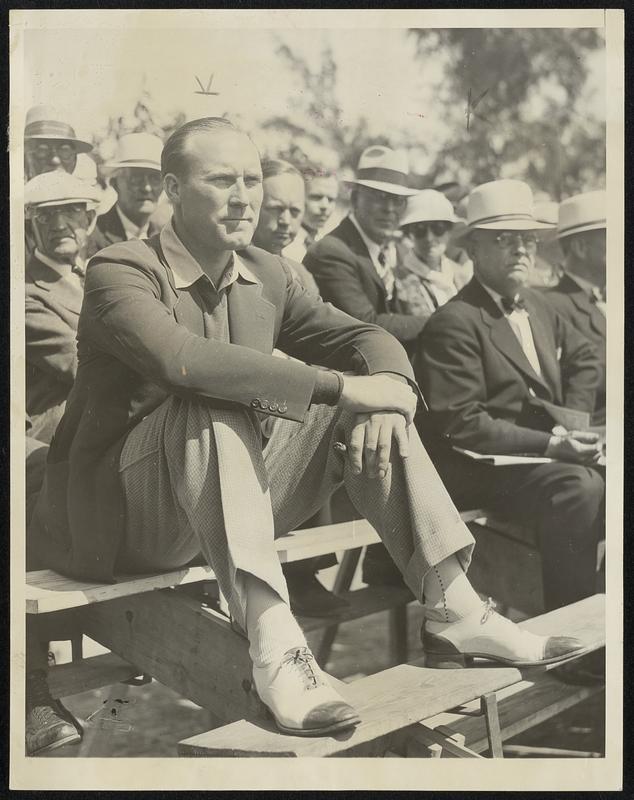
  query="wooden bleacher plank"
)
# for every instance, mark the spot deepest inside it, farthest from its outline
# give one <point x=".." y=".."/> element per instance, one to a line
<point x="387" y="702"/>
<point x="48" y="591"/>
<point x="520" y="707"/>
<point x="584" y="619"/>
<point x="89" y="673"/>
<point x="188" y="648"/>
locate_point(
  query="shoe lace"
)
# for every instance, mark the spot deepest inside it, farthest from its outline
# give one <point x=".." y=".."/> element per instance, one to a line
<point x="303" y="659"/>
<point x="489" y="608"/>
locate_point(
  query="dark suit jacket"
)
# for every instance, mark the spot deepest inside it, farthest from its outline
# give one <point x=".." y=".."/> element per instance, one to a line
<point x="141" y="340"/>
<point x="52" y="313"/>
<point x="575" y="305"/>
<point x="477" y="381"/>
<point x="346" y="277"/>
<point x="109" y="230"/>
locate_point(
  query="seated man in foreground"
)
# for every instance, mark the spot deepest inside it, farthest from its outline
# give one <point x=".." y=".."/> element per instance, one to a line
<point x="159" y="454"/>
<point x="496" y="363"/>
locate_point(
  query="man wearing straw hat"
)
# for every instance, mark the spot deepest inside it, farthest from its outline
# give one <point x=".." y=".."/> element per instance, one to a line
<point x="135" y="174"/>
<point x="61" y="214"/>
<point x="354" y="264"/>
<point x="50" y="143"/>
<point x="496" y="364"/>
<point x="162" y="430"/>
<point x="580" y="295"/>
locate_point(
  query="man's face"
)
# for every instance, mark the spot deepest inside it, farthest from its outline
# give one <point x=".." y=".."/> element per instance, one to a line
<point x="594" y="242"/>
<point x="281" y="213"/>
<point x="378" y="213"/>
<point x="62" y="231"/>
<point x="503" y="259"/>
<point x="137" y="191"/>
<point x="218" y="200"/>
<point x="47" y="155"/>
<point x="321" y="195"/>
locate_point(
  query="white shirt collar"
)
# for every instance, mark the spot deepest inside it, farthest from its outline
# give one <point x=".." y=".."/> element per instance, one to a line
<point x="373" y="248"/>
<point x="60" y="267"/>
<point x="187" y="270"/>
<point x="131" y="230"/>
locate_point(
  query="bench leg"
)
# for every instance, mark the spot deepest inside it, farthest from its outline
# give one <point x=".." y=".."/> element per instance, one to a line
<point x="345" y="574"/>
<point x="489" y="706"/>
<point x="398" y="634"/>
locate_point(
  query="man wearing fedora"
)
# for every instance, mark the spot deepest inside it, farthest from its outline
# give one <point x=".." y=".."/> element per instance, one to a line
<point x="61" y="215"/>
<point x="162" y="429"/>
<point x="426" y="278"/>
<point x="580" y="295"/>
<point x="135" y="175"/>
<point x="50" y="143"/>
<point x="491" y="361"/>
<point x="354" y="265"/>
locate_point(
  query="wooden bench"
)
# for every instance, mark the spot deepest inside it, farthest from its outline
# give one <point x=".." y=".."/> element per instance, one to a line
<point x="401" y="708"/>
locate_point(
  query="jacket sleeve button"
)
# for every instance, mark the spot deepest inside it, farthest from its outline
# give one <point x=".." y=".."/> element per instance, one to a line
<point x="273" y="407"/>
<point x="283" y="408"/>
<point x="264" y="403"/>
<point x="255" y="403"/>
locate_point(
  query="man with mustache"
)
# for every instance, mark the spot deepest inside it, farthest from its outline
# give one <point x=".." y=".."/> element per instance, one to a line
<point x="162" y="430"/>
<point x="135" y="174"/>
<point x="489" y="360"/>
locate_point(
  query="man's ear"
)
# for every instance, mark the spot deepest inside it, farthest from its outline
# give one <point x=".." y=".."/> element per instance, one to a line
<point x="92" y="220"/>
<point x="171" y="186"/>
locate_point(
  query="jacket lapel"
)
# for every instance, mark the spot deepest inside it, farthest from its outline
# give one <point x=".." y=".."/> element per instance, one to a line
<point x="251" y="317"/>
<point x="545" y="351"/>
<point x="506" y="341"/>
<point x="64" y="293"/>
<point x="596" y="319"/>
<point x="352" y="237"/>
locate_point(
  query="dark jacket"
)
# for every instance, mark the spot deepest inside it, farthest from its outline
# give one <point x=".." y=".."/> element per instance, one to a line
<point x="141" y="340"/>
<point x="576" y="306"/>
<point x="346" y="277"/>
<point x="478" y="383"/>
<point x="51" y="317"/>
<point x="109" y="230"/>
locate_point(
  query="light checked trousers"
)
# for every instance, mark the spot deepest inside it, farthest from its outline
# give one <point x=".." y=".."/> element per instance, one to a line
<point x="195" y="479"/>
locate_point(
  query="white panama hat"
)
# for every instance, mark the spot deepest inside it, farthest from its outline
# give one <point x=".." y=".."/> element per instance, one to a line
<point x="59" y="188"/>
<point x="582" y="212"/>
<point x="428" y="206"/>
<point x="384" y="169"/>
<point x="504" y="205"/>
<point x="141" y="150"/>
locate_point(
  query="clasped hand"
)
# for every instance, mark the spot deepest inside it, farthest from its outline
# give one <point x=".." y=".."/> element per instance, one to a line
<point x="384" y="408"/>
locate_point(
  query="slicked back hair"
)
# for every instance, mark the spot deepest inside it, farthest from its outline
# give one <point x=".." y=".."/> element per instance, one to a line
<point x="173" y="157"/>
<point x="276" y="166"/>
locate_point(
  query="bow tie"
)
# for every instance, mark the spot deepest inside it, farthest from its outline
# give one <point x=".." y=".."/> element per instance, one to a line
<point x="516" y="304"/>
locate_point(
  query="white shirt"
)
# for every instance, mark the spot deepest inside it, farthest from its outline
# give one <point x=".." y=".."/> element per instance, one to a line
<point x="131" y="230"/>
<point x="385" y="272"/>
<point x="520" y="324"/>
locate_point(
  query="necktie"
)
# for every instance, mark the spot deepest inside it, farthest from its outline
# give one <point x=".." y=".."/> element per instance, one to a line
<point x="386" y="270"/>
<point x="516" y="304"/>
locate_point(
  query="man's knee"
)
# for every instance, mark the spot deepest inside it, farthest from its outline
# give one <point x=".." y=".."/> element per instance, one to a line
<point x="577" y="492"/>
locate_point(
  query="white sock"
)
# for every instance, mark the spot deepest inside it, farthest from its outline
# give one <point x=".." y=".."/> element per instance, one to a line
<point x="448" y="593"/>
<point x="271" y="627"/>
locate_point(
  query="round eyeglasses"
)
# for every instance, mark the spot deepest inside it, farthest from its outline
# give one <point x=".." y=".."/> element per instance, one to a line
<point x="44" y="152"/>
<point x="509" y="239"/>
<point x="45" y="216"/>
<point x="139" y="178"/>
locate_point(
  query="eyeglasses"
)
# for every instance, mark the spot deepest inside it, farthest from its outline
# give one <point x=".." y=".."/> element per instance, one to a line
<point x="438" y="228"/>
<point x="71" y="211"/>
<point x="44" y="152"/>
<point x="138" y="178"/>
<point x="509" y="239"/>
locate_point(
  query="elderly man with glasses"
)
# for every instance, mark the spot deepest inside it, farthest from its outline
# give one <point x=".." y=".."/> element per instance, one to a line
<point x="61" y="216"/>
<point x="135" y="175"/>
<point x="502" y="372"/>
